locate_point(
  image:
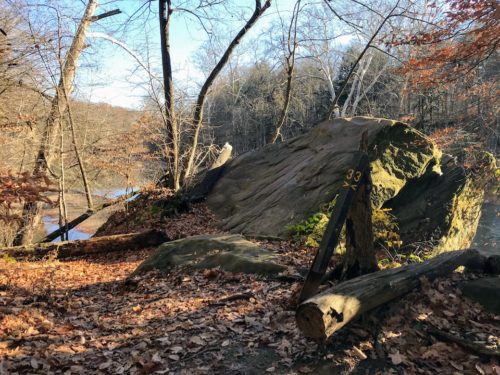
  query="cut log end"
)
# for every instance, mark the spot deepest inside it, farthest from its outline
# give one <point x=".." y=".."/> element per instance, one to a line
<point x="310" y="321"/>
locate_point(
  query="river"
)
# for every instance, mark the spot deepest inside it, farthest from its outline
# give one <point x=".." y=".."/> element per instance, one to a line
<point x="86" y="229"/>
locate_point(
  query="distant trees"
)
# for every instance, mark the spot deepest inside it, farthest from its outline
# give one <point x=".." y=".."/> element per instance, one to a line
<point x="468" y="34"/>
<point x="37" y="71"/>
<point x="453" y="72"/>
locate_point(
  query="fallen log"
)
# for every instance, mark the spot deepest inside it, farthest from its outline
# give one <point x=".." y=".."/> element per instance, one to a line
<point x="95" y="245"/>
<point x="327" y="312"/>
<point x="80" y="219"/>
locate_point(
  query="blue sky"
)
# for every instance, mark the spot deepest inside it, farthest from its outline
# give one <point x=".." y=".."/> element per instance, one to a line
<point x="118" y="81"/>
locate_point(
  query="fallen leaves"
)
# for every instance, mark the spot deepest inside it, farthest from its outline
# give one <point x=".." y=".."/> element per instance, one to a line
<point x="199" y="322"/>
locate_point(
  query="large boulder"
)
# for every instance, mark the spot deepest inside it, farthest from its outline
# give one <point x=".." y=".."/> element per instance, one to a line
<point x="266" y="191"/>
<point x="231" y="253"/>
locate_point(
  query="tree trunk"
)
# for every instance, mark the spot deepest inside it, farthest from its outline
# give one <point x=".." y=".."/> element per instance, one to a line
<point x="198" y="109"/>
<point x="290" y="65"/>
<point x="31" y="210"/>
<point x="327" y="312"/>
<point x="81" y="166"/>
<point x="359" y="258"/>
<point x="105" y="244"/>
<point x="200" y="190"/>
<point x="172" y="125"/>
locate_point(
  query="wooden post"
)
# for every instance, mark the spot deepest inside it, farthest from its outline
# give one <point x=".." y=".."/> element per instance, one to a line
<point x="331" y="236"/>
<point x="359" y="258"/>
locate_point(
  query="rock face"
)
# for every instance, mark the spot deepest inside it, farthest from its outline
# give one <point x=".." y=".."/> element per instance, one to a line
<point x="232" y="253"/>
<point x="265" y="191"/>
<point x="484" y="291"/>
<point x="441" y="211"/>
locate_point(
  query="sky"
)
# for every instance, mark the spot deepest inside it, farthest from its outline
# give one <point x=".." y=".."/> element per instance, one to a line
<point x="118" y="81"/>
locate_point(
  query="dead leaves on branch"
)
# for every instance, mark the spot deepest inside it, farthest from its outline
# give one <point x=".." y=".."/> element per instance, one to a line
<point x="16" y="189"/>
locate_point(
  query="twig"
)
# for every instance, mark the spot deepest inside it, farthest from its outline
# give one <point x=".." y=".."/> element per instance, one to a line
<point x="466" y="344"/>
<point x="231" y="298"/>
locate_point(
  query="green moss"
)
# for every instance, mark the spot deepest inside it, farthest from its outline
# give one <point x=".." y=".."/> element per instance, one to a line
<point x="310" y="231"/>
<point x="399" y="153"/>
<point x="413" y="258"/>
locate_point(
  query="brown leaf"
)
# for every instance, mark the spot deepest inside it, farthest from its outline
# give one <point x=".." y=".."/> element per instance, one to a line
<point x="359" y="353"/>
<point x="397" y="358"/>
<point x="305" y="370"/>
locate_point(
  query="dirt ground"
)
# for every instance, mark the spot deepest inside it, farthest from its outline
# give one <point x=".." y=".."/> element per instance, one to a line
<point x="82" y="317"/>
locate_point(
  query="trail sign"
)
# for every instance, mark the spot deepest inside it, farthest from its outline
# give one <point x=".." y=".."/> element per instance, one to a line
<point x="330" y="240"/>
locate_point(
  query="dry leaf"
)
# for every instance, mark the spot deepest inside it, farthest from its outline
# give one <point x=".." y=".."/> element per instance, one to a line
<point x="457" y="365"/>
<point x="397" y="358"/>
<point x="176" y="349"/>
<point x="34" y="363"/>
<point x="305" y="370"/>
<point x="359" y="353"/>
<point x="479" y="369"/>
<point x="156" y="358"/>
<point x="197" y="340"/>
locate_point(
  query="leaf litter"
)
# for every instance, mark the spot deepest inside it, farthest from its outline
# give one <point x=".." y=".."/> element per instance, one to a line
<point x="84" y="316"/>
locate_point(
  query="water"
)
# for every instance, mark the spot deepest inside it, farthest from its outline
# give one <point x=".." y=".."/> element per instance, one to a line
<point x="51" y="223"/>
<point x="115" y="193"/>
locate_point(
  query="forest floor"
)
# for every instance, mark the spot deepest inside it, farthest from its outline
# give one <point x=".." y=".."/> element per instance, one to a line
<point x="85" y="316"/>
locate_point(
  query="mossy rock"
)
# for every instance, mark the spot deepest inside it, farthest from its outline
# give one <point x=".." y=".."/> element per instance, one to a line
<point x="268" y="190"/>
<point x="231" y="253"/>
<point x="435" y="202"/>
<point x="440" y="211"/>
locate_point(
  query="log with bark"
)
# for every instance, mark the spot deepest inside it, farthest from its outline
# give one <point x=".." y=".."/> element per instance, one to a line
<point x="327" y="312"/>
<point x="96" y="245"/>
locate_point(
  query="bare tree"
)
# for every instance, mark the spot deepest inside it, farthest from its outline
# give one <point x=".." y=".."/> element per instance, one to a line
<point x="291" y="49"/>
<point x="334" y="103"/>
<point x="31" y="210"/>
<point x="181" y="174"/>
